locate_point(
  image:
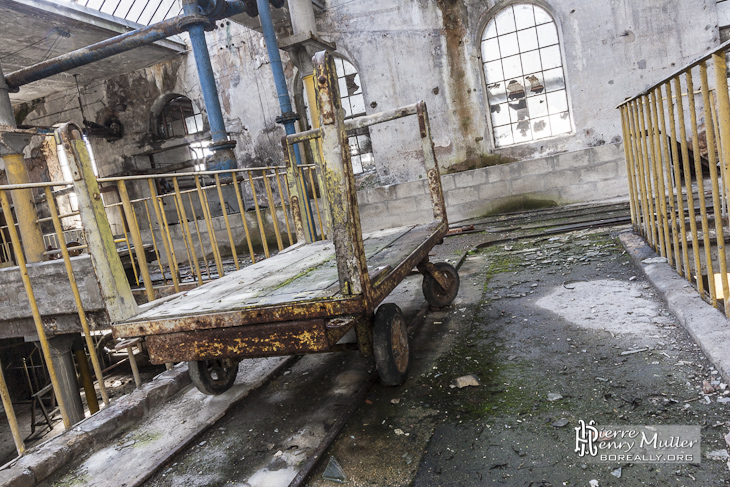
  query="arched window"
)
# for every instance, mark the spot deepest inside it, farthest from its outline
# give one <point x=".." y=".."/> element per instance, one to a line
<point x="353" y="101"/>
<point x="523" y="69"/>
<point x="179" y="117"/>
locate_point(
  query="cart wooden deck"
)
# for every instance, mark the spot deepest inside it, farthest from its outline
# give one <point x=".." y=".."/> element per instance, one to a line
<point x="300" y="283"/>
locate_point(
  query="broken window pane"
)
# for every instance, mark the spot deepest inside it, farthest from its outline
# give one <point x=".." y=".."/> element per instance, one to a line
<point x="541" y="127"/>
<point x="500" y="114"/>
<point x="527" y="39"/>
<point x="496" y="93"/>
<point x="534" y="84"/>
<point x="560" y="123"/>
<point x="523" y="68"/>
<point x="503" y="136"/>
<point x="505" y="21"/>
<point x="524" y="16"/>
<point x="353" y="102"/>
<point x="538" y="106"/>
<point x="521" y="131"/>
<point x="508" y="45"/>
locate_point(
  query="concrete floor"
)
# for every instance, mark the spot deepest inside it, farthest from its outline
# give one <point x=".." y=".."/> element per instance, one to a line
<point x="534" y="317"/>
<point x="540" y="316"/>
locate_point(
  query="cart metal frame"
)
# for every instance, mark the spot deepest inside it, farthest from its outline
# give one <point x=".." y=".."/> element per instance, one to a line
<point x="318" y="324"/>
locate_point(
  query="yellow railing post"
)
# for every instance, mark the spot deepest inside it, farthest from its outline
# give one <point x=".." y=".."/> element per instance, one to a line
<point x="700" y="188"/>
<point x="656" y="155"/>
<point x="164" y="235"/>
<point x="40" y="330"/>
<point x="186" y="230"/>
<point x="77" y="296"/>
<point x="653" y="224"/>
<point x="228" y="223"/>
<point x="688" y="185"/>
<point x="717" y="206"/>
<point x="137" y="240"/>
<point x="629" y="167"/>
<point x="666" y="169"/>
<point x="211" y="229"/>
<point x="678" y="183"/>
<point x="642" y="178"/>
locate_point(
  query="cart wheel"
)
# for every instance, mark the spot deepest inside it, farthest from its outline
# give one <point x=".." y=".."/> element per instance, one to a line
<point x="390" y="345"/>
<point x="213" y="377"/>
<point x="437" y="296"/>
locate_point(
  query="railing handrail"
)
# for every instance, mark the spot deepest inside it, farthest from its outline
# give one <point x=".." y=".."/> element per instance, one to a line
<point x="677" y="72"/>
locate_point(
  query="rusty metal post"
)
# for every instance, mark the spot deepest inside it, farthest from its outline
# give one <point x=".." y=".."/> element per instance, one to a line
<point x="340" y="184"/>
<point x="115" y="288"/>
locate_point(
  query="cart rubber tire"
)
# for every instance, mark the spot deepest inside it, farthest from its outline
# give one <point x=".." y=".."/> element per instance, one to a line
<point x="390" y="345"/>
<point x="212" y="377"/>
<point x="437" y="296"/>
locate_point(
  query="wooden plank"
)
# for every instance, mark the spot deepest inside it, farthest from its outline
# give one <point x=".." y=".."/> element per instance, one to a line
<point x="246" y="282"/>
<point x="323" y="281"/>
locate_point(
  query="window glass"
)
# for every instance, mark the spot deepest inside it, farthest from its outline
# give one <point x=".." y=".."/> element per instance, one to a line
<point x="353" y="102"/>
<point x="179" y="117"/>
<point x="523" y="68"/>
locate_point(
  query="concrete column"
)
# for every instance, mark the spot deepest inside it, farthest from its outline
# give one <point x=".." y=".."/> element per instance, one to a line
<point x="302" y="17"/>
<point x="11" y="152"/>
<point x="60" y="347"/>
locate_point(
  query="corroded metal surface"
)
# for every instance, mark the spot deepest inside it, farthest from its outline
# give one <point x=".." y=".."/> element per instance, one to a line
<point x="312" y="302"/>
<point x="263" y="340"/>
<point x="254" y="315"/>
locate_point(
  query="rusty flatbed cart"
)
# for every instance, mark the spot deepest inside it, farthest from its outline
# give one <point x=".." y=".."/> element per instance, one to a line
<point x="306" y="298"/>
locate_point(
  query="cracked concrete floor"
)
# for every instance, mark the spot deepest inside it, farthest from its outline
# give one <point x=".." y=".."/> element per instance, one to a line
<point x="537" y="317"/>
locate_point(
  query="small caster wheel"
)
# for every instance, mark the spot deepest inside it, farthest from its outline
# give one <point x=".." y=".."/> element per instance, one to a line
<point x="390" y="345"/>
<point x="437" y="296"/>
<point x="213" y="377"/>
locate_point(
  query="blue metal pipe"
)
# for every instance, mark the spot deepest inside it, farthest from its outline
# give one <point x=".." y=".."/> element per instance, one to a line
<point x="224" y="157"/>
<point x="288" y="117"/>
<point x="115" y="45"/>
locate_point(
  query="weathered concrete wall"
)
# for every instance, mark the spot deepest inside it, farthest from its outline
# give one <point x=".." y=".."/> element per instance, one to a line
<point x="406" y="51"/>
<point x="611" y="50"/>
<point x="593" y="174"/>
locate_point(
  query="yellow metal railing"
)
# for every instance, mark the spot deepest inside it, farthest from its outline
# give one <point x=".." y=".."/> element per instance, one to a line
<point x="214" y="221"/>
<point x="677" y="148"/>
<point x="13" y="246"/>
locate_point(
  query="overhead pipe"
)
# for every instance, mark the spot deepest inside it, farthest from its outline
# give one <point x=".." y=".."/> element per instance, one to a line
<point x="196" y="19"/>
<point x="224" y="157"/>
<point x="215" y="10"/>
<point x="287" y="117"/>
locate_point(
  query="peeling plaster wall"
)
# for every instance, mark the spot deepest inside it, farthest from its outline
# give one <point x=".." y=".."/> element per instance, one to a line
<point x="407" y="51"/>
<point x="612" y="49"/>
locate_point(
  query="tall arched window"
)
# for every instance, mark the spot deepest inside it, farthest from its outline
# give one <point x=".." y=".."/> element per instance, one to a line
<point x="523" y="69"/>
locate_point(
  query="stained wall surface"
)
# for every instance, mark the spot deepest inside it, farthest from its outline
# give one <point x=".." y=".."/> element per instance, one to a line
<point x="406" y="51"/>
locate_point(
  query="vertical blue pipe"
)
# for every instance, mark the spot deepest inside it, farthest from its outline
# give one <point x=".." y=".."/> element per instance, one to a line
<point x="223" y="147"/>
<point x="287" y="116"/>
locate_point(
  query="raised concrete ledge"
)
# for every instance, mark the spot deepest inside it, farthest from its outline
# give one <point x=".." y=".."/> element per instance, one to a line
<point x="42" y="460"/>
<point x="709" y="328"/>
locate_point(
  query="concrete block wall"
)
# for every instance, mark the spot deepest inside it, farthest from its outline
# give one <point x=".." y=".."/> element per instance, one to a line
<point x="593" y="174"/>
